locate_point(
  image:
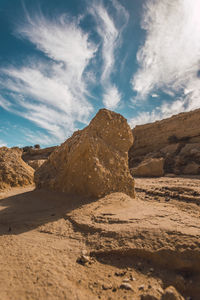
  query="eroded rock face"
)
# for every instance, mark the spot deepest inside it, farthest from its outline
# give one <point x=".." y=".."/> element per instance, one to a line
<point x="94" y="161"/>
<point x="36" y="164"/>
<point x="171" y="294"/>
<point x="176" y="139"/>
<point x="13" y="170"/>
<point x="152" y="167"/>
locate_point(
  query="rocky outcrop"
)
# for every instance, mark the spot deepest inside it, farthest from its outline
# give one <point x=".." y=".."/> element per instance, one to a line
<point x="176" y="139"/>
<point x="152" y="167"/>
<point x="171" y="294"/>
<point x="37" y="154"/>
<point x="93" y="162"/>
<point x="36" y="164"/>
<point x="13" y="170"/>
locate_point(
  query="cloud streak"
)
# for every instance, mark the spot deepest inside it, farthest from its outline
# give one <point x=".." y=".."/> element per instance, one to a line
<point x="169" y="60"/>
<point x="51" y="94"/>
<point x="111" y="39"/>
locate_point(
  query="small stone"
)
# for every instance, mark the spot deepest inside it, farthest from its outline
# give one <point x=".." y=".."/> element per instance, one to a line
<point x="125" y="280"/>
<point x="122" y="273"/>
<point x="114" y="289"/>
<point x="132" y="278"/>
<point x="106" y="287"/>
<point x="84" y="252"/>
<point x="141" y="287"/>
<point x="83" y="259"/>
<point x="126" y="286"/>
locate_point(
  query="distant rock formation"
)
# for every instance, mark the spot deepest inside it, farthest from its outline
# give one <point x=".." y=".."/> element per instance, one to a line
<point x="37" y="154"/>
<point x="93" y="162"/>
<point x="36" y="164"/>
<point x="176" y="139"/>
<point x="13" y="170"/>
<point x="152" y="167"/>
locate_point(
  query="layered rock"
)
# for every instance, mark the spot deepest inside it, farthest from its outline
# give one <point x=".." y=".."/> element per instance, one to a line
<point x="176" y="139"/>
<point x="13" y="170"/>
<point x="36" y="164"/>
<point x="152" y="167"/>
<point x="93" y="162"/>
<point x="37" y="154"/>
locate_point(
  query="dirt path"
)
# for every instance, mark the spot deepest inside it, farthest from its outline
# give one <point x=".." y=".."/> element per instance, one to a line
<point x="42" y="234"/>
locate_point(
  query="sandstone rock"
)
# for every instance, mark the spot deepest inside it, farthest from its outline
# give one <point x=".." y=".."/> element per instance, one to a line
<point x="13" y="170"/>
<point x="171" y="294"/>
<point x="93" y="162"/>
<point x="37" y="154"/>
<point x="157" y="135"/>
<point x="191" y="169"/>
<point x="126" y="286"/>
<point x="170" y="149"/>
<point x="149" y="168"/>
<point x="178" y="135"/>
<point x="190" y="149"/>
<point x="36" y="164"/>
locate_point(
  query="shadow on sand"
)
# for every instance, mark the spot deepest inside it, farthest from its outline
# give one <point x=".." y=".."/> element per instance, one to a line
<point x="28" y="210"/>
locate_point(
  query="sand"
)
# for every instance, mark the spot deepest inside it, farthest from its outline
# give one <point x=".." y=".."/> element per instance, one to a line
<point x="149" y="242"/>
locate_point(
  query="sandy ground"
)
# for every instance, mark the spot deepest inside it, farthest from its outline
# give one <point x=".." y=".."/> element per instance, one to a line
<point x="148" y="243"/>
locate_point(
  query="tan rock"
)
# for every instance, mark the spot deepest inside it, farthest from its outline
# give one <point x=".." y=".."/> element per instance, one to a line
<point x="149" y="168"/>
<point x="190" y="149"/>
<point x="36" y="164"/>
<point x="13" y="170"/>
<point x="170" y="149"/>
<point x="94" y="161"/>
<point x="171" y="294"/>
<point x="191" y="169"/>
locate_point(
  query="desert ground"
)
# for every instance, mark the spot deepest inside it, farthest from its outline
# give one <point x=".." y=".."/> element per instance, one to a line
<point x="53" y="246"/>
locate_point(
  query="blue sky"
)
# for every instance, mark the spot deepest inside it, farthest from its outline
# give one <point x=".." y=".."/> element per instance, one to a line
<point x="61" y="61"/>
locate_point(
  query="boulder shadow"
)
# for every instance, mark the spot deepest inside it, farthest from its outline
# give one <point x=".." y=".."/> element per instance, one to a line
<point x="28" y="210"/>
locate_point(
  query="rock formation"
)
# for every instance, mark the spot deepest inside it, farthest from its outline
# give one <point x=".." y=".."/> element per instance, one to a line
<point x="152" y="167"/>
<point x="13" y="170"/>
<point x="93" y="162"/>
<point x="34" y="154"/>
<point x="36" y="164"/>
<point x="176" y="139"/>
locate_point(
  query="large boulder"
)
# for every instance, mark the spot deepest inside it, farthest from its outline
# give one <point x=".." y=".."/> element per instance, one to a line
<point x="93" y="162"/>
<point x="13" y="170"/>
<point x="153" y="167"/>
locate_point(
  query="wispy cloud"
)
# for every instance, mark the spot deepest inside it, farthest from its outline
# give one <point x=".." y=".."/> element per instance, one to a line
<point x="169" y="60"/>
<point x="161" y="112"/>
<point x="112" y="97"/>
<point x="52" y="94"/>
<point x="111" y="38"/>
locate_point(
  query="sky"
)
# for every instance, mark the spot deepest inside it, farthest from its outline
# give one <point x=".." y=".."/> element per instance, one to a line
<point x="61" y="61"/>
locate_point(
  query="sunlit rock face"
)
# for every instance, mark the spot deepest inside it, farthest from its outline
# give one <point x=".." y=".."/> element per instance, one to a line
<point x="94" y="161"/>
<point x="13" y="170"/>
<point x="176" y="140"/>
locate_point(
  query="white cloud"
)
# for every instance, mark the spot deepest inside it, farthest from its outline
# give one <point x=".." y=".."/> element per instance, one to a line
<point x="111" y="38"/>
<point x="52" y="94"/>
<point x="111" y="98"/>
<point x="164" y="111"/>
<point x="169" y="60"/>
<point x="154" y="95"/>
<point x="4" y="103"/>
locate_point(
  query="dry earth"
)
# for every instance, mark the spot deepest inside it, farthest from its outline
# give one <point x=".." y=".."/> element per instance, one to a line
<point x="144" y="244"/>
